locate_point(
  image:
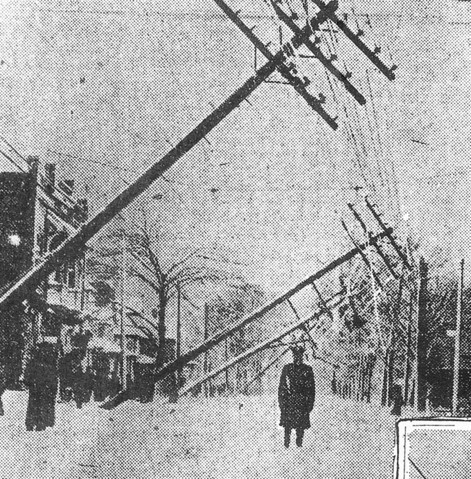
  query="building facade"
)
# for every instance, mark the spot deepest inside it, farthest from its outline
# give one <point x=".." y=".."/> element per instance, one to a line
<point x="37" y="213"/>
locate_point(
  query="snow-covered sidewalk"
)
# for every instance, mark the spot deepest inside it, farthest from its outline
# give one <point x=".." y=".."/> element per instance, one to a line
<point x="197" y="438"/>
<point x="59" y="452"/>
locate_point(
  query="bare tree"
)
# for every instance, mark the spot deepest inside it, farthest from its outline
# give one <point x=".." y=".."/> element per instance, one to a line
<point x="145" y="249"/>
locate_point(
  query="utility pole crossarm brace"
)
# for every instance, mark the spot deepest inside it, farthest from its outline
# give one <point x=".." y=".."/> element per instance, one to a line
<point x="322" y="301"/>
<point x="304" y="327"/>
<point x="376" y="245"/>
<point x="390" y="236"/>
<point x="284" y="70"/>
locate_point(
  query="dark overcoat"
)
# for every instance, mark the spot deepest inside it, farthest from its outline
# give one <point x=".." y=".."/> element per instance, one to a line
<point x="296" y="394"/>
<point x="41" y="378"/>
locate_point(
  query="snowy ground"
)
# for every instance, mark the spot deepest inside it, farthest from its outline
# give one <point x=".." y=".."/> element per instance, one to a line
<point x="197" y="438"/>
<point x="215" y="438"/>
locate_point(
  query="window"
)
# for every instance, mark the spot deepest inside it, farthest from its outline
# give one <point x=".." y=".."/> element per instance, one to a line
<point x="131" y="344"/>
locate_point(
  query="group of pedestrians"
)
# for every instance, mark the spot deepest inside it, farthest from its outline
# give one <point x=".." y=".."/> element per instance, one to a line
<point x="46" y="374"/>
<point x="78" y="383"/>
<point x="296" y="391"/>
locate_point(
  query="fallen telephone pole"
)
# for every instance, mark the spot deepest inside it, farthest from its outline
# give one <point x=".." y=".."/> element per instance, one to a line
<point x="250" y="352"/>
<point x="173" y="366"/>
<point x="258" y="313"/>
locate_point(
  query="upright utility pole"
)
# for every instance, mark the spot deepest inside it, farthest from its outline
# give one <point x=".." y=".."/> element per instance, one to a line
<point x="83" y="286"/>
<point x="456" y="365"/>
<point x="408" y="354"/>
<point x="421" y="356"/>
<point x="179" y="334"/>
<point x="206" y="335"/>
<point x="123" y="341"/>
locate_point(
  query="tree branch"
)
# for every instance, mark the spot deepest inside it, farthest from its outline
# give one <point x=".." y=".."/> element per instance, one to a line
<point x="146" y="280"/>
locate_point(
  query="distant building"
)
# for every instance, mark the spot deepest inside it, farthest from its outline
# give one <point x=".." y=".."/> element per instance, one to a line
<point x="441" y="364"/>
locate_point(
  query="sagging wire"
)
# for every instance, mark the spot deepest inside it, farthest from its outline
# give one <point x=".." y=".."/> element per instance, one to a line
<point x="332" y="37"/>
<point x="349" y="129"/>
<point x="380" y="143"/>
<point x="381" y="176"/>
<point x="378" y="136"/>
<point x="116" y="168"/>
<point x="360" y="143"/>
<point x="37" y="183"/>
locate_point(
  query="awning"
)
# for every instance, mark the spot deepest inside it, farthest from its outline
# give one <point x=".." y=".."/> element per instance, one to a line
<point x="70" y="317"/>
<point x="62" y="314"/>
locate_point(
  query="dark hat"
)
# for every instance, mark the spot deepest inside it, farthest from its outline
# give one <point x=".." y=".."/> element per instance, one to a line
<point x="297" y="350"/>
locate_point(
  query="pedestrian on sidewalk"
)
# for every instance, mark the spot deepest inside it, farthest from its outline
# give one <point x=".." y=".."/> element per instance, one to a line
<point x="397" y="399"/>
<point x="41" y="377"/>
<point x="78" y="378"/>
<point x="296" y="394"/>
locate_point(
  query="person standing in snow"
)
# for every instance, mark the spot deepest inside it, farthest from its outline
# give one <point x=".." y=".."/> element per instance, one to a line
<point x="296" y="394"/>
<point x="41" y="379"/>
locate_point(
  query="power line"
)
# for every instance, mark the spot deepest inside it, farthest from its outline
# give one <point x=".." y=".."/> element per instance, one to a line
<point x="114" y="167"/>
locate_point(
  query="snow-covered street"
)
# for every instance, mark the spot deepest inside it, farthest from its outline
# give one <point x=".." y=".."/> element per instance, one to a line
<point x="197" y="438"/>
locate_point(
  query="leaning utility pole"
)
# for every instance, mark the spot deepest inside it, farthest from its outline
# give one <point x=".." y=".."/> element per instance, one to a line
<point x="73" y="246"/>
<point x="456" y="362"/>
<point x="206" y="335"/>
